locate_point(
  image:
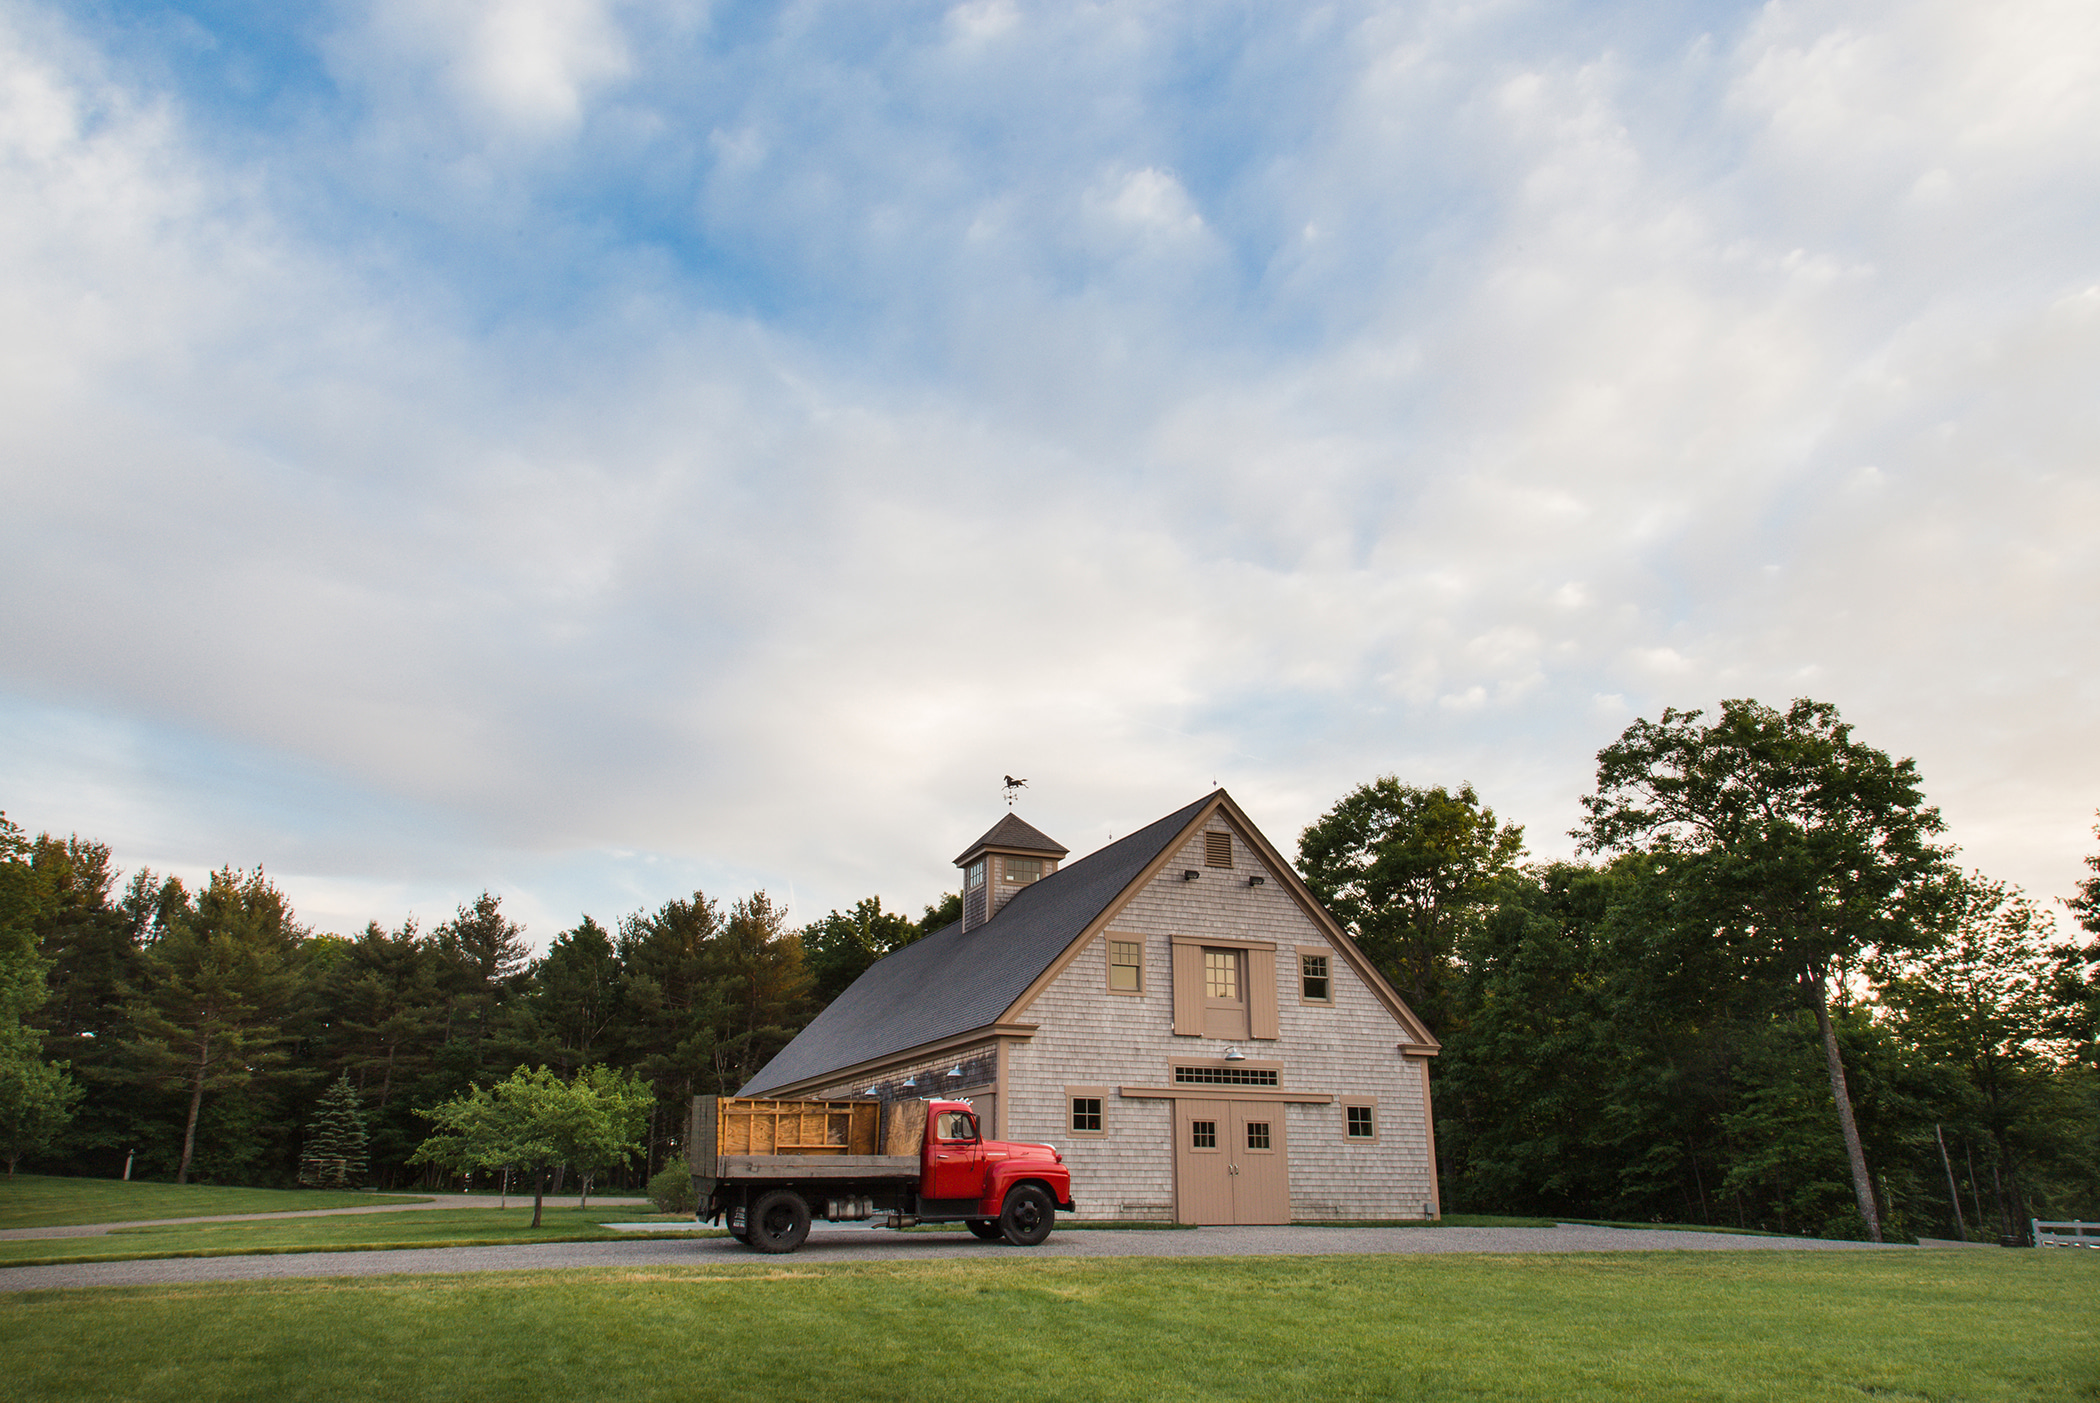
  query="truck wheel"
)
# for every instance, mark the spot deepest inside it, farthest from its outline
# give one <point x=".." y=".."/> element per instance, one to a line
<point x="987" y="1228"/>
<point x="1027" y="1217"/>
<point x="779" y="1221"/>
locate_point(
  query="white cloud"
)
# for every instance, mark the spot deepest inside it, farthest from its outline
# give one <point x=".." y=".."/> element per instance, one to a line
<point x="524" y="65"/>
<point x="924" y="409"/>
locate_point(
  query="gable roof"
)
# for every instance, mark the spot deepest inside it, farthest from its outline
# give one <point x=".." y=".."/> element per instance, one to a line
<point x="1015" y="833"/>
<point x="954" y="980"/>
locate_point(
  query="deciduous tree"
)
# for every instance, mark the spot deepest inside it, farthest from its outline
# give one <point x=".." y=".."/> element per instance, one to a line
<point x="1795" y="846"/>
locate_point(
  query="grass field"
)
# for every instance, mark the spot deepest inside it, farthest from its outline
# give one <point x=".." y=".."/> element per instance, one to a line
<point x="38" y="1201"/>
<point x="433" y="1227"/>
<point x="1724" y="1326"/>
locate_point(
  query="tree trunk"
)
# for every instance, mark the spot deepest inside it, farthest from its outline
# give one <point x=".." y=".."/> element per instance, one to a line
<point x="189" y="1131"/>
<point x="539" y="1189"/>
<point x="1862" y="1185"/>
<point x="1953" y="1194"/>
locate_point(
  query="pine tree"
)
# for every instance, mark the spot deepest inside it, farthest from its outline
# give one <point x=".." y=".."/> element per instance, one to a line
<point x="335" y="1141"/>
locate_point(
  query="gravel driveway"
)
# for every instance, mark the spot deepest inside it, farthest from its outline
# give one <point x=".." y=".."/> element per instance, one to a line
<point x="834" y="1245"/>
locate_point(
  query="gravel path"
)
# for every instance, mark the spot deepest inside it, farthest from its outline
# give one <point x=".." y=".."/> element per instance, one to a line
<point x="441" y="1201"/>
<point x="835" y="1245"/>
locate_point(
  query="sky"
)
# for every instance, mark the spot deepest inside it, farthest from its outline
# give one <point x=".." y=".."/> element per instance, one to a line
<point x="598" y="450"/>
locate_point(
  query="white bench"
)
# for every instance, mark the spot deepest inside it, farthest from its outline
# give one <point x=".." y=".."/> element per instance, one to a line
<point x="2071" y="1234"/>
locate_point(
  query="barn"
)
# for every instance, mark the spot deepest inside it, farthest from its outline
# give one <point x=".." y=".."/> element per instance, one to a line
<point x="1176" y="1012"/>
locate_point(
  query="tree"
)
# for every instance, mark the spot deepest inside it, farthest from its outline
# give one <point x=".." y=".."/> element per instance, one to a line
<point x="1795" y="846"/>
<point x="757" y="965"/>
<point x="535" y="1121"/>
<point x="36" y="1097"/>
<point x="2077" y="985"/>
<point x="1405" y="870"/>
<point x="839" y="948"/>
<point x="1982" y="1002"/>
<point x="335" y="1141"/>
<point x="487" y="954"/>
<point x="216" y="985"/>
<point x="672" y="1007"/>
<point x="941" y="914"/>
<point x="574" y="995"/>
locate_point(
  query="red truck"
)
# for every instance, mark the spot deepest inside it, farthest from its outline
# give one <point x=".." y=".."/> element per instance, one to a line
<point x="769" y="1168"/>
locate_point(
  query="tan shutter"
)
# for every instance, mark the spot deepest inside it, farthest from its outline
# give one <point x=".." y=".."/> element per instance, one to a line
<point x="1261" y="994"/>
<point x="1188" y="990"/>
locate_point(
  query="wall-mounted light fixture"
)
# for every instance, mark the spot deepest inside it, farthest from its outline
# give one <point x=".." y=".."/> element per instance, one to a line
<point x="1257" y="880"/>
<point x="1191" y="875"/>
<point x="955" y="1071"/>
<point x="911" y="1081"/>
<point x="1233" y="1054"/>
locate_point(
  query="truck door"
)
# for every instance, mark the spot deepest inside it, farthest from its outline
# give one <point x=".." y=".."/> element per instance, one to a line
<point x="955" y="1158"/>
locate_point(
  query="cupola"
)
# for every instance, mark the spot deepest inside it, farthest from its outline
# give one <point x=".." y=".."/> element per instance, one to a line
<point x="1013" y="855"/>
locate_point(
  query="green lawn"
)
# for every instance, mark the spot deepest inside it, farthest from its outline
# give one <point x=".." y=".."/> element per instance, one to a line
<point x="424" y="1227"/>
<point x="1721" y="1326"/>
<point x="39" y="1201"/>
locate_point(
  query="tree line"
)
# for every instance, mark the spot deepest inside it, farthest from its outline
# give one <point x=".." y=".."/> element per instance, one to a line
<point x="1765" y="994"/>
<point x="153" y="1030"/>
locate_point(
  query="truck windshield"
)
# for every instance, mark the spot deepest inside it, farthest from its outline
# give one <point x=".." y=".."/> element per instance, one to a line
<point x="956" y="1125"/>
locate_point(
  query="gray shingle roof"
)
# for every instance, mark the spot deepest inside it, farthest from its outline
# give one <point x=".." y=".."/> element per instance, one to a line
<point x="1012" y="832"/>
<point x="953" y="980"/>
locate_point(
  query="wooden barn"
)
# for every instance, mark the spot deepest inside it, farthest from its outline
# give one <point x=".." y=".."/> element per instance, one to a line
<point x="1176" y="1012"/>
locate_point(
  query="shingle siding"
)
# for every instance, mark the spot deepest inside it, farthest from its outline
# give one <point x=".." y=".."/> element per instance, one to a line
<point x="1088" y="1036"/>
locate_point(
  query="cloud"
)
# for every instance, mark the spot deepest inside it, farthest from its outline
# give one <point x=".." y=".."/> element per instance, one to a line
<point x="590" y="450"/>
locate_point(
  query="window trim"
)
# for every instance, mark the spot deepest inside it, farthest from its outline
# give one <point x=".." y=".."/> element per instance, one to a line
<point x="1268" y="1133"/>
<point x="1109" y="940"/>
<point x="1369" y="1103"/>
<point x="1213" y="1148"/>
<point x="1103" y="1094"/>
<point x="1327" y="953"/>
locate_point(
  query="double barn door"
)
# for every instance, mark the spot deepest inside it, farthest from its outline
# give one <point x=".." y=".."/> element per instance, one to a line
<point x="1231" y="1163"/>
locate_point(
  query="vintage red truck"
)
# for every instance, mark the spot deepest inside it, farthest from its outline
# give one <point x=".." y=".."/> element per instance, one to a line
<point x="769" y="1168"/>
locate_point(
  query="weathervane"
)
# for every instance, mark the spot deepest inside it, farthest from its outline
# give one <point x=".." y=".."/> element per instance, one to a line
<point x="1013" y="787"/>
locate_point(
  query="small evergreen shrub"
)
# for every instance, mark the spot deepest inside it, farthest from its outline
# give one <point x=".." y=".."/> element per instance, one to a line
<point x="334" y="1157"/>
<point x="672" y="1189"/>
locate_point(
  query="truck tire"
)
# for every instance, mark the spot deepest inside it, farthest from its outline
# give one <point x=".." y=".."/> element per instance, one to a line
<point x="779" y="1222"/>
<point x="1027" y="1216"/>
<point x="987" y="1229"/>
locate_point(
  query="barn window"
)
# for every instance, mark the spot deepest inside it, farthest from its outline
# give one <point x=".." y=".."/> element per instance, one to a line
<point x="1203" y="1135"/>
<point x="1361" y="1120"/>
<point x="1086" y="1114"/>
<point x="1257" y="1135"/>
<point x="1126" y="966"/>
<point x="1314" y="986"/>
<point x="1221" y="975"/>
<point x="1020" y="871"/>
<point x="1217" y="850"/>
<point x="1225" y="1076"/>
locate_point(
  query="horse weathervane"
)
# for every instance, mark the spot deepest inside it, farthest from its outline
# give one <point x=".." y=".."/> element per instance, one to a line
<point x="1013" y="787"/>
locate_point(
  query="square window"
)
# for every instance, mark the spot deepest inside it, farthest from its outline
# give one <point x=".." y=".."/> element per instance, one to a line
<point x="1126" y="965"/>
<point x="1363" y="1123"/>
<point x="1315" y="983"/>
<point x="1203" y="1135"/>
<point x="1217" y="850"/>
<point x="1257" y="1135"/>
<point x="1086" y="1113"/>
